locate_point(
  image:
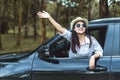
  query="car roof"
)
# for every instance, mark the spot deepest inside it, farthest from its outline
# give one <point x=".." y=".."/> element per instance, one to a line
<point x="106" y="20"/>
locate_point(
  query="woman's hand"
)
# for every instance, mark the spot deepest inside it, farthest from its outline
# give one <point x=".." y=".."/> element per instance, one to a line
<point x="56" y="25"/>
<point x="43" y="14"/>
<point x="92" y="62"/>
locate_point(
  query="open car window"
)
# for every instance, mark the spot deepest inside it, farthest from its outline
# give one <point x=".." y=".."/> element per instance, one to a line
<point x="59" y="48"/>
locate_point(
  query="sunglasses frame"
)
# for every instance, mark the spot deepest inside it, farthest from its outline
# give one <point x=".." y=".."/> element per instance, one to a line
<point x="79" y="25"/>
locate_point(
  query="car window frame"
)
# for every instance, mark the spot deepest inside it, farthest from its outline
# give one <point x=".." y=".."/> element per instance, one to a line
<point x="99" y="25"/>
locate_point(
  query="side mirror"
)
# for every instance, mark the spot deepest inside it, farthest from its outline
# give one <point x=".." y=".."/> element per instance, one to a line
<point x="44" y="52"/>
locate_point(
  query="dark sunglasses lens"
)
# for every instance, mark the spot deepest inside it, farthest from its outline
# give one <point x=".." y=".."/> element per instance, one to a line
<point x="83" y="25"/>
<point x="77" y="25"/>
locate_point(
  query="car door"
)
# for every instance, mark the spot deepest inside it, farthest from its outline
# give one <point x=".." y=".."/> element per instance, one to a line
<point x="58" y="66"/>
<point x="115" y="66"/>
<point x="68" y="69"/>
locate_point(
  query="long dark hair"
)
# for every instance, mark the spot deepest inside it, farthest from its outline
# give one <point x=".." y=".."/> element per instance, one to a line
<point x="75" y="40"/>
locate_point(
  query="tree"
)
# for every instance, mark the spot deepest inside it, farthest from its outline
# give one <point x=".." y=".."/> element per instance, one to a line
<point x="19" y="23"/>
<point x="91" y="5"/>
<point x="0" y="24"/>
<point x="103" y="9"/>
<point x="80" y="8"/>
<point x="0" y="32"/>
<point x="114" y="8"/>
<point x="14" y="14"/>
<point x="57" y="11"/>
<point x="26" y="8"/>
<point x="34" y="18"/>
<point x="43" y="27"/>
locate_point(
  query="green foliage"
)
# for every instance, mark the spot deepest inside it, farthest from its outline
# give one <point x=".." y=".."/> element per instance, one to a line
<point x="114" y="7"/>
<point x="61" y="13"/>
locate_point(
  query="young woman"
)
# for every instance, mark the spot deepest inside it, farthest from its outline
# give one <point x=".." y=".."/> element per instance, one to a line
<point x="82" y="44"/>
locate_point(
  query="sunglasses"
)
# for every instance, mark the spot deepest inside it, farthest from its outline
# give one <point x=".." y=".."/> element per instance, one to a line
<point x="81" y="25"/>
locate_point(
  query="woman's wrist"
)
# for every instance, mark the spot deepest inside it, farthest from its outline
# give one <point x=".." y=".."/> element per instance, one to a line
<point x="49" y="17"/>
<point x="95" y="55"/>
<point x="92" y="62"/>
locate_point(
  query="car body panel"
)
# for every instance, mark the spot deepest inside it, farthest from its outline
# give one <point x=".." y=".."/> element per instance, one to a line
<point x="16" y="66"/>
<point x="115" y="66"/>
<point x="67" y="69"/>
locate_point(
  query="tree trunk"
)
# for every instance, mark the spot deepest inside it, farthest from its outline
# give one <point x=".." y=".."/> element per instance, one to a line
<point x="1" y="47"/>
<point x="26" y="27"/>
<point x="90" y="10"/>
<point x="15" y="15"/>
<point x="103" y="9"/>
<point x="68" y="13"/>
<point x="114" y="9"/>
<point x="43" y="27"/>
<point x="19" y="24"/>
<point x="0" y="36"/>
<point x="34" y="19"/>
<point x="57" y="12"/>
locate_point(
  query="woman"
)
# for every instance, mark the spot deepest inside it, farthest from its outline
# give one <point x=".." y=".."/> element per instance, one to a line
<point x="82" y="44"/>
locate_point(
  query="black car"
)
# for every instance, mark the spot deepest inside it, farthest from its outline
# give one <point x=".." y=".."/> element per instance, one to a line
<point x="50" y="60"/>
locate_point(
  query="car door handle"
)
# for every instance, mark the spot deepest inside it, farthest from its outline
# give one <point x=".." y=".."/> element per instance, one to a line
<point x="98" y="68"/>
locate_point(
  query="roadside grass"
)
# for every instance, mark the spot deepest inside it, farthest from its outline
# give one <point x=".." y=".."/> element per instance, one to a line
<point x="9" y="44"/>
<point x="27" y="44"/>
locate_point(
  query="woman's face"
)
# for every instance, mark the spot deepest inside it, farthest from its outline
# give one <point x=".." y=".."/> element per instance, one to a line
<point x="80" y="27"/>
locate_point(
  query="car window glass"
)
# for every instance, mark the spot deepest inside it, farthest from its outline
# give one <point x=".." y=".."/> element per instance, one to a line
<point x="99" y="32"/>
<point x="59" y="48"/>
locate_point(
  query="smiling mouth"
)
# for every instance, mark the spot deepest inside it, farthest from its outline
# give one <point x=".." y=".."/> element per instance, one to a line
<point x="80" y="29"/>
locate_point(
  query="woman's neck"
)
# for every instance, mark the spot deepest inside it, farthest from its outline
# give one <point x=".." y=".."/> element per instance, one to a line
<point x="81" y="38"/>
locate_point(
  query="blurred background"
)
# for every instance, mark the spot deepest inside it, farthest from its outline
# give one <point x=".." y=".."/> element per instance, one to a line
<point x="21" y="30"/>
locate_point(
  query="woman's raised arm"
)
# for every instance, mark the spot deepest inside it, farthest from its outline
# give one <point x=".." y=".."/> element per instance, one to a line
<point x="57" y="26"/>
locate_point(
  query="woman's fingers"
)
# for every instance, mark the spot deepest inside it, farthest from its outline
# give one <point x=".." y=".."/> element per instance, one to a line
<point x="44" y="11"/>
<point x="43" y="14"/>
<point x="40" y="14"/>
